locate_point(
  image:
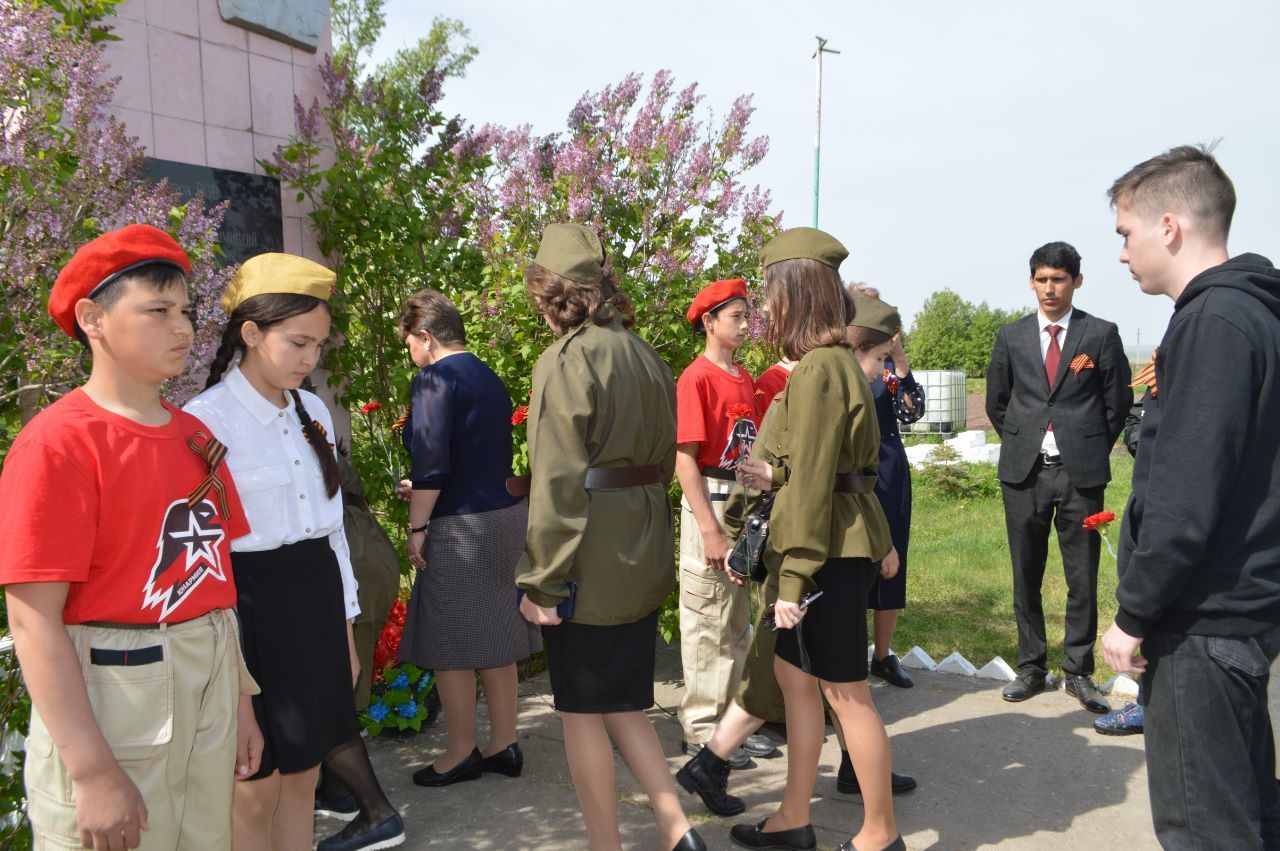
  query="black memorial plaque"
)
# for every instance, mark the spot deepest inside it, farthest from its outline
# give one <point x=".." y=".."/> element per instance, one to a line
<point x="253" y="224"/>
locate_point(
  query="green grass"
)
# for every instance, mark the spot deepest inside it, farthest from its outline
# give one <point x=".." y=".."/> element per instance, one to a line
<point x="960" y="587"/>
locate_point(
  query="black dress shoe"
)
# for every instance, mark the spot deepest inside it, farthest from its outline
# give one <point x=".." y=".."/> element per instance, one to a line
<point x="896" y="845"/>
<point x="795" y="839"/>
<point x="468" y="769"/>
<point x="758" y="744"/>
<point x="738" y="759"/>
<point x="1084" y="690"/>
<point x="707" y="776"/>
<point x="1028" y="683"/>
<point x="890" y="670"/>
<point x="508" y="761"/>
<point x="847" y="781"/>
<point x="691" y="841"/>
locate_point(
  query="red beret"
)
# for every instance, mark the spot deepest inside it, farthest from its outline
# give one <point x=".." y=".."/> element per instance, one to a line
<point x="713" y="295"/>
<point x="101" y="261"/>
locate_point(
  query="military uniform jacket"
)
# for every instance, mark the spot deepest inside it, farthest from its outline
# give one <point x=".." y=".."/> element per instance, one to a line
<point x="1088" y="402"/>
<point x="825" y="425"/>
<point x="601" y="398"/>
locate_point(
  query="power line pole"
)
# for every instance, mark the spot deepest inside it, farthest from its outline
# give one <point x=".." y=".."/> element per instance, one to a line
<point x="817" y="129"/>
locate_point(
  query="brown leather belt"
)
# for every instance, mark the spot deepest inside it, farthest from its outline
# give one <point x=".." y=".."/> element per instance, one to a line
<point x="720" y="473"/>
<point x="600" y="478"/>
<point x="854" y="483"/>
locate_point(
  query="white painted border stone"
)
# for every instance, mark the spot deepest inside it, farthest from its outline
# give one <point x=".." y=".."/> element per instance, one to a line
<point x="997" y="669"/>
<point x="917" y="658"/>
<point x="957" y="664"/>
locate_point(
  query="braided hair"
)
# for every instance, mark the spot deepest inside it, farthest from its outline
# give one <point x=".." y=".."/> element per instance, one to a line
<point x="264" y="311"/>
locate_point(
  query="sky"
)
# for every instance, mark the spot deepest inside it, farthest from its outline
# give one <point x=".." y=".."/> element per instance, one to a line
<point x="957" y="137"/>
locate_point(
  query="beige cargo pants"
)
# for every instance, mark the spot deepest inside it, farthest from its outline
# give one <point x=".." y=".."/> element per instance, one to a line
<point x="715" y="626"/>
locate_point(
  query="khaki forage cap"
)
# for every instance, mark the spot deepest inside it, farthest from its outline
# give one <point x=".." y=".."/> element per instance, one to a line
<point x="871" y="312"/>
<point x="806" y="244"/>
<point x="286" y="274"/>
<point x="573" y="252"/>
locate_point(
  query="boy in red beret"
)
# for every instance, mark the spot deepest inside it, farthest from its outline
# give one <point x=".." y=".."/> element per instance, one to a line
<point x="114" y="554"/>
<point x="716" y="426"/>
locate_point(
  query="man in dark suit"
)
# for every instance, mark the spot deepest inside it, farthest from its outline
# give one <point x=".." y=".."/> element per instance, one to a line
<point x="1057" y="394"/>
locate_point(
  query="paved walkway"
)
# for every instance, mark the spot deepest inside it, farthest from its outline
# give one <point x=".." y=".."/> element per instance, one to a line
<point x="992" y="774"/>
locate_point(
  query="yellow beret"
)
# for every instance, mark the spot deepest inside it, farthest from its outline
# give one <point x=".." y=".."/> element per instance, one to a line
<point x="573" y="252"/>
<point x="871" y="312"/>
<point x="804" y="244"/>
<point x="284" y="274"/>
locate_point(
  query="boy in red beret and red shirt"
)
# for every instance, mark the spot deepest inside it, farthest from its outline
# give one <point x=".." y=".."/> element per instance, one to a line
<point x="114" y="553"/>
<point x="716" y="426"/>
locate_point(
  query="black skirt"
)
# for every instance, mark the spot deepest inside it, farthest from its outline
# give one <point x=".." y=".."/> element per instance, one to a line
<point x="598" y="669"/>
<point x="834" y="630"/>
<point x="293" y="624"/>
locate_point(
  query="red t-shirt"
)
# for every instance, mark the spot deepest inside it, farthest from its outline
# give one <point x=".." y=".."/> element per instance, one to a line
<point x="770" y="383"/>
<point x="100" y="501"/>
<point x="718" y="411"/>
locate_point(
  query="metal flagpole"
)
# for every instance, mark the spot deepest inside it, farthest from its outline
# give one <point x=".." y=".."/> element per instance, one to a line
<point x="817" y="126"/>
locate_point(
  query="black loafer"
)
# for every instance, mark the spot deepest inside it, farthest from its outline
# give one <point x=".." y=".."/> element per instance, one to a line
<point x="795" y="839"/>
<point x="1086" y="691"/>
<point x="388" y="834"/>
<point x="508" y="761"/>
<point x="691" y="841"/>
<point x="1028" y="683"/>
<point x="468" y="769"/>
<point x="900" y="783"/>
<point x="896" y="845"/>
<point x="890" y="670"/>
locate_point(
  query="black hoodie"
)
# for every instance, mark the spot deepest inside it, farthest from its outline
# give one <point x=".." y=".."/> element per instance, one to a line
<point x="1200" y="542"/>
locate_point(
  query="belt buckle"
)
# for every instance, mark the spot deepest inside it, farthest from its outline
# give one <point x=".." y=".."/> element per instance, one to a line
<point x="1050" y="460"/>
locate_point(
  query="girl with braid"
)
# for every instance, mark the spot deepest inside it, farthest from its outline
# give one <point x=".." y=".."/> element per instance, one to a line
<point x="296" y="590"/>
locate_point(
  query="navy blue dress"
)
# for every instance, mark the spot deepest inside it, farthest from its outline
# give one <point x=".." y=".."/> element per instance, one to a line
<point x="893" y="487"/>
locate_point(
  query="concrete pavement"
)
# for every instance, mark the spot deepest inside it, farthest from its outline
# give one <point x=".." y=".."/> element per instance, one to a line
<point x="992" y="774"/>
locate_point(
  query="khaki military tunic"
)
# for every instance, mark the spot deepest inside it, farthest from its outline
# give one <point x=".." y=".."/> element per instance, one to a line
<point x="601" y="398"/>
<point x="825" y="425"/>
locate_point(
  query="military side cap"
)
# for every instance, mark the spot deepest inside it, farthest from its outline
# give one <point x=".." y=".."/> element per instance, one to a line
<point x="804" y="244"/>
<point x="573" y="252"/>
<point x="282" y="274"/>
<point x="714" y="295"/>
<point x="871" y="312"/>
<point x="104" y="260"/>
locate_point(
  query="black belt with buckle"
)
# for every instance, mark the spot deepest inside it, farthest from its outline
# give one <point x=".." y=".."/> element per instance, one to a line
<point x="1050" y="460"/>
<point x="720" y="473"/>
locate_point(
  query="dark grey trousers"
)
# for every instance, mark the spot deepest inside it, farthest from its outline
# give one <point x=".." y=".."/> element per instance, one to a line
<point x="1048" y="498"/>
<point x="1211" y="765"/>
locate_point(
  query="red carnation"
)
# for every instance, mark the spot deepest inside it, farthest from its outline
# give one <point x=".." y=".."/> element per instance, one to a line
<point x="1100" y="523"/>
<point x="369" y="407"/>
<point x="521" y="414"/>
<point x="738" y="411"/>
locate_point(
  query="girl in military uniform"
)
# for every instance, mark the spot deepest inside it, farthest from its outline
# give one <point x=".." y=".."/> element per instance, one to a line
<point x="829" y="534"/>
<point x="602" y="431"/>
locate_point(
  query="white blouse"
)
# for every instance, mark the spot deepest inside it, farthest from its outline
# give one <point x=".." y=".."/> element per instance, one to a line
<point x="276" y="471"/>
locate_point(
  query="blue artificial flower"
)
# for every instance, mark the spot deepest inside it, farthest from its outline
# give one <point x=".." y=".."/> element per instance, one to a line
<point x="425" y="682"/>
<point x="401" y="681"/>
<point x="379" y="711"/>
<point x="408" y="709"/>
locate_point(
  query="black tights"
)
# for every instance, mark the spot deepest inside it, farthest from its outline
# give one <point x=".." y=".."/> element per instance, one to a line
<point x="346" y="770"/>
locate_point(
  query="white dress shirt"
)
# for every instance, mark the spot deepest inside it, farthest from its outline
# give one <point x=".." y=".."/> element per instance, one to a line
<point x="1050" y="443"/>
<point x="276" y="472"/>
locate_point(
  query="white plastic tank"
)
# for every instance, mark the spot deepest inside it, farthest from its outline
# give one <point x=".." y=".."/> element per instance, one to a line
<point x="945" y="402"/>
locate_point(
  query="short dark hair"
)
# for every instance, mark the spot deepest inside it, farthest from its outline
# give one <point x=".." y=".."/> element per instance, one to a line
<point x="433" y="312"/>
<point x="1056" y="255"/>
<point x="157" y="277"/>
<point x="1186" y="179"/>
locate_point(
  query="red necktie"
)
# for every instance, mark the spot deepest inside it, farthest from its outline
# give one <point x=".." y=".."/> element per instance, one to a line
<point x="1052" y="358"/>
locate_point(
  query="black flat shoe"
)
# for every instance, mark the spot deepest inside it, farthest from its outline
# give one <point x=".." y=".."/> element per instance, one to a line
<point x="890" y="670"/>
<point x="468" y="769"/>
<point x="508" y="761"/>
<point x="795" y="839"/>
<point x="691" y="841"/>
<point x="896" y="845"/>
<point x="847" y="781"/>
<point x="388" y="834"/>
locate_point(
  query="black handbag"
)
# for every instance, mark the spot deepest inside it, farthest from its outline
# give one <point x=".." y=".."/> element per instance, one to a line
<point x="746" y="560"/>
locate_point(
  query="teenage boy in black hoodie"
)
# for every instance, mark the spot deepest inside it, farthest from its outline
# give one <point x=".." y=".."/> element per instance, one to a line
<point x="1199" y="562"/>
